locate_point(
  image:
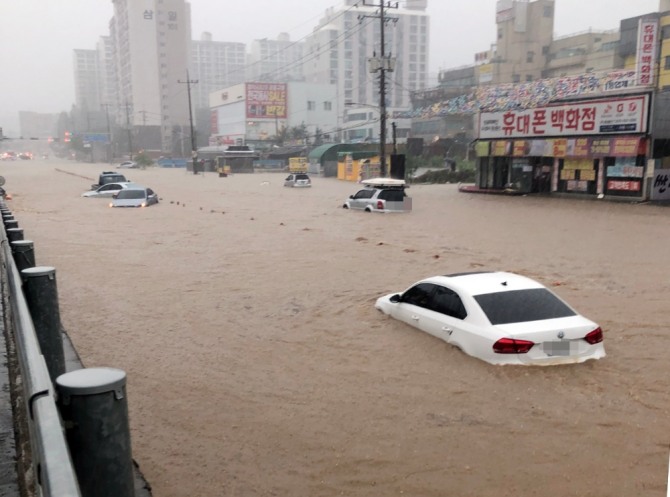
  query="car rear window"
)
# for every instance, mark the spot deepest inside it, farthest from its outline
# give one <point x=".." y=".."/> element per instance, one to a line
<point x="131" y="194"/>
<point x="112" y="179"/>
<point x="520" y="306"/>
<point x="392" y="195"/>
<point x="301" y="176"/>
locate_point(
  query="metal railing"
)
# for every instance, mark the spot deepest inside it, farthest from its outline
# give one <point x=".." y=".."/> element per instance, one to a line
<point x="52" y="465"/>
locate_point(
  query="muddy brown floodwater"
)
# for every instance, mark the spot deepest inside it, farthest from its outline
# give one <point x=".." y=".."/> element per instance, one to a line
<point x="243" y="314"/>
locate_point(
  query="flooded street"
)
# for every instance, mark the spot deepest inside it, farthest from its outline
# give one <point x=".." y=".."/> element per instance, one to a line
<point x="243" y="314"/>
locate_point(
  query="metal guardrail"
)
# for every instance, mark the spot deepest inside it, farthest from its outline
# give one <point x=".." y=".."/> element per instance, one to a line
<point x="55" y="474"/>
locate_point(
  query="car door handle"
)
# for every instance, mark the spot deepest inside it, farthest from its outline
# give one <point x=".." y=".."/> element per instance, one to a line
<point x="448" y="330"/>
<point x="415" y="318"/>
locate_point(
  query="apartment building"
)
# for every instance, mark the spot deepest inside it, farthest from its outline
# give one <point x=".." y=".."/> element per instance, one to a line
<point x="87" y="84"/>
<point x="279" y="60"/>
<point x="215" y="65"/>
<point x="152" y="42"/>
<point x="340" y="48"/>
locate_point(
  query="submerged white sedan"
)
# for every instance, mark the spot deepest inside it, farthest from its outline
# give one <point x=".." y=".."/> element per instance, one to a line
<point x="499" y="317"/>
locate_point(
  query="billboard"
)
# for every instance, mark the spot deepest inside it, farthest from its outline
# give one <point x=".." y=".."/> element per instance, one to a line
<point x="266" y="100"/>
<point x="647" y="51"/>
<point x="589" y="117"/>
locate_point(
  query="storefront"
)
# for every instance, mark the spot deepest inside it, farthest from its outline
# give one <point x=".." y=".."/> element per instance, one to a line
<point x="587" y="147"/>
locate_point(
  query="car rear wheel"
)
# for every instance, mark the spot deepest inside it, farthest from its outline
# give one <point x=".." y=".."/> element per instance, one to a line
<point x="345" y="206"/>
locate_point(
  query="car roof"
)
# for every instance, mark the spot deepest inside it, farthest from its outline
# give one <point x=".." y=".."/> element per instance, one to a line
<point x="477" y="283"/>
<point x="384" y="182"/>
<point x="127" y="184"/>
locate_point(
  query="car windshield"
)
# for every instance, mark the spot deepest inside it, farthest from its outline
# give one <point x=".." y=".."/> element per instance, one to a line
<point x="126" y="194"/>
<point x="111" y="179"/>
<point x="520" y="306"/>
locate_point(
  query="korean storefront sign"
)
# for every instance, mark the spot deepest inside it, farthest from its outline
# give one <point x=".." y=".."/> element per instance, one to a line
<point x="592" y="117"/>
<point x="501" y="148"/>
<point x="647" y="51"/>
<point x="266" y="100"/>
<point x="625" y="167"/>
<point x="660" y="186"/>
<point x="621" y="146"/>
<point x="483" y="149"/>
<point x="624" y="186"/>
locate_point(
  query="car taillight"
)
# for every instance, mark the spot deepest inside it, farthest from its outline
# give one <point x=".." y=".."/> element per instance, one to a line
<point x="596" y="336"/>
<point x="380" y="205"/>
<point x="512" y="346"/>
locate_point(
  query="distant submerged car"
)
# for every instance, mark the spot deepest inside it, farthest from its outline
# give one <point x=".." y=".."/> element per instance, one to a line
<point x="499" y="317"/>
<point x="298" y="180"/>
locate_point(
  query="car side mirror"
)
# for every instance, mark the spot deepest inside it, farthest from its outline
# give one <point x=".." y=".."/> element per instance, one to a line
<point x="114" y="195"/>
<point x="395" y="298"/>
<point x="351" y="196"/>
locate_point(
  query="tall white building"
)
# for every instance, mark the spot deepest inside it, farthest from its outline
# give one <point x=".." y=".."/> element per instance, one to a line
<point x="215" y="65"/>
<point x="152" y="41"/>
<point x="87" y="84"/>
<point x="339" y="49"/>
<point x="277" y="60"/>
<point x="108" y="99"/>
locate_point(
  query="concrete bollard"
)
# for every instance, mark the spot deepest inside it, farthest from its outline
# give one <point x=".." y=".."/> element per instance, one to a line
<point x="14" y="234"/>
<point x="11" y="223"/>
<point x="24" y="254"/>
<point x="39" y="287"/>
<point x="94" y="409"/>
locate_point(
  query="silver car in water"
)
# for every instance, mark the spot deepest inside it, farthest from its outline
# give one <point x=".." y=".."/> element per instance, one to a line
<point x="134" y="197"/>
<point x="298" y="180"/>
<point x="381" y="195"/>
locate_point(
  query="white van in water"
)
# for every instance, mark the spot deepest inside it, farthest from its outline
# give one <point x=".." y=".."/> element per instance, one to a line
<point x="381" y="195"/>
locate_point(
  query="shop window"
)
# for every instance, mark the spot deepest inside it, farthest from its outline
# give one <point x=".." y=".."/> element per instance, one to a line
<point x="516" y="78"/>
<point x="666" y="66"/>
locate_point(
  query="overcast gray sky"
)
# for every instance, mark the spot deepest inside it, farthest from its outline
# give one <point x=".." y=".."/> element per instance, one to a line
<point x="37" y="37"/>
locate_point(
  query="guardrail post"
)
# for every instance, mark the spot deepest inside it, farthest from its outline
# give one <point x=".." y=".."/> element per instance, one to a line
<point x="23" y="252"/>
<point x="11" y="223"/>
<point x="39" y="287"/>
<point x="14" y="234"/>
<point x="94" y="409"/>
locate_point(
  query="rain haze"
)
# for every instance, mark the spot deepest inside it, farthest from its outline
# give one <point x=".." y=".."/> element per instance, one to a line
<point x="38" y="36"/>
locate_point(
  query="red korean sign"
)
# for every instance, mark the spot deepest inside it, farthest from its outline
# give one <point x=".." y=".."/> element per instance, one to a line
<point x="266" y="100"/>
<point x="647" y="51"/>
<point x="214" y="122"/>
<point x="624" y="186"/>
<point x="588" y="117"/>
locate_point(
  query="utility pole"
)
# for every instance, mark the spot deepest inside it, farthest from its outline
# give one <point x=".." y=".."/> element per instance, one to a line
<point x="130" y="135"/>
<point x="194" y="148"/>
<point x="381" y="64"/>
